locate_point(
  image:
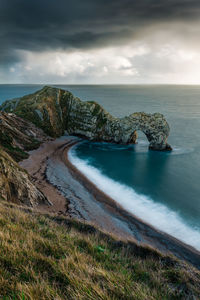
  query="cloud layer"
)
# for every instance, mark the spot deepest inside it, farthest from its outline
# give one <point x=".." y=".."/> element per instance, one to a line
<point x="121" y="39"/>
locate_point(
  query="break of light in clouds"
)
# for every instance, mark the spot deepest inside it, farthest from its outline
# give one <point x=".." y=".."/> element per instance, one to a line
<point x="97" y="41"/>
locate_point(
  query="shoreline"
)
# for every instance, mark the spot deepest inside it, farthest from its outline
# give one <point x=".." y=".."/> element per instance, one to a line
<point x="52" y="171"/>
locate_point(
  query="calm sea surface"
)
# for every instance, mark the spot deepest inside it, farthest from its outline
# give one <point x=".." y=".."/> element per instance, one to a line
<point x="161" y="188"/>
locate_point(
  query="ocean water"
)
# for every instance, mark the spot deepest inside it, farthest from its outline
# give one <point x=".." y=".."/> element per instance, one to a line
<point x="161" y="188"/>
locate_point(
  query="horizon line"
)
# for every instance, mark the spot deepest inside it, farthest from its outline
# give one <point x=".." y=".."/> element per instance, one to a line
<point x="108" y="84"/>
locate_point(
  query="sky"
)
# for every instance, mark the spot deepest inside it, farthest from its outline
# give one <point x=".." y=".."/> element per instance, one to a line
<point x="100" y="41"/>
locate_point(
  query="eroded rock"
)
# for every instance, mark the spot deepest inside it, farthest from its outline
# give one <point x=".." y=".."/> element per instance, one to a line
<point x="15" y="183"/>
<point x="17" y="136"/>
<point x="55" y="110"/>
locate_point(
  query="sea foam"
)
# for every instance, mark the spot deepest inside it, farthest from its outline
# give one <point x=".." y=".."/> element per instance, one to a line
<point x="158" y="215"/>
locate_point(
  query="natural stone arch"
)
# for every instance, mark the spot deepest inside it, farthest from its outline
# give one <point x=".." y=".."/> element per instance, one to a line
<point x="124" y="130"/>
<point x="55" y="110"/>
<point x="154" y="126"/>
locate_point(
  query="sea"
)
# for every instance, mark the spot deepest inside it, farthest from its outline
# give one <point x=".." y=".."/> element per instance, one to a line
<point x="161" y="188"/>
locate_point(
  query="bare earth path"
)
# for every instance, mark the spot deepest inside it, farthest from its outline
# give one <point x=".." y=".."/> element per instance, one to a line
<point x="72" y="194"/>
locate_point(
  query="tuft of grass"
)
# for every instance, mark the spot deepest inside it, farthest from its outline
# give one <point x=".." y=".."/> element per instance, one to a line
<point x="51" y="257"/>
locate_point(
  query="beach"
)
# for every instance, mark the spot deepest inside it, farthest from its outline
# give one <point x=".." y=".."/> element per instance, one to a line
<point x="71" y="194"/>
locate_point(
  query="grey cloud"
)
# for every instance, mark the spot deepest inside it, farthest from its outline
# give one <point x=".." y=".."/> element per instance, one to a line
<point x="37" y="25"/>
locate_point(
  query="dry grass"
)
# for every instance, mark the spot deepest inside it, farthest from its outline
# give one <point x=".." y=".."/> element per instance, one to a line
<point x="46" y="257"/>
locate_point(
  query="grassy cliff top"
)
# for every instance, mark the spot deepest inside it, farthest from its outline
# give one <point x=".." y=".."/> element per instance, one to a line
<point x="47" y="257"/>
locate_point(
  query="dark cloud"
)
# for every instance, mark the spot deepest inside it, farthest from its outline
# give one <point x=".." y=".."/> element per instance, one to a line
<point x="39" y="25"/>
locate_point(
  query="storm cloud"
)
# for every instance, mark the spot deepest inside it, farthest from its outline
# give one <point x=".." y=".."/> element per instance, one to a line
<point x="33" y="26"/>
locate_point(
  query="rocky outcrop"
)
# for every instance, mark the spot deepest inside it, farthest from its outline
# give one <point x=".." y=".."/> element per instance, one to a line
<point x="15" y="183"/>
<point x="55" y="110"/>
<point x="45" y="108"/>
<point x="18" y="136"/>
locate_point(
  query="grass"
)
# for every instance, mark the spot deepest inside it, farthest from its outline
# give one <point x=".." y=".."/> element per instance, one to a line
<point x="50" y="257"/>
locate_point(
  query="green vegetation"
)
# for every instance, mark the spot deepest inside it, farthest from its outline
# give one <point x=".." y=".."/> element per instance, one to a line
<point x="6" y="143"/>
<point x="41" y="108"/>
<point x="15" y="152"/>
<point x="49" y="109"/>
<point x="34" y="144"/>
<point x="97" y="108"/>
<point x="49" y="257"/>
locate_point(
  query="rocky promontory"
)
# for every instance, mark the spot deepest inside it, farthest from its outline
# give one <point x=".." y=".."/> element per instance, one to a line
<point x="56" y="110"/>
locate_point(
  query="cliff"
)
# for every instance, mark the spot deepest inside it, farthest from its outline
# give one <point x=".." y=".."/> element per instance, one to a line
<point x="15" y="183"/>
<point x="55" y="110"/>
<point x="16" y="137"/>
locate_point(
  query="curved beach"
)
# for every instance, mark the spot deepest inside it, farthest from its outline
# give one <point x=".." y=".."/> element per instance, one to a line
<point x="73" y="195"/>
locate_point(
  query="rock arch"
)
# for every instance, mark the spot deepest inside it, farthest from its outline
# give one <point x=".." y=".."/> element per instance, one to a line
<point x="55" y="110"/>
<point x="154" y="126"/>
<point x="124" y="130"/>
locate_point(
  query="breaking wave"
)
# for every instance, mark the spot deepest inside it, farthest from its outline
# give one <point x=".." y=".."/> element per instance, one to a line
<point x="158" y="215"/>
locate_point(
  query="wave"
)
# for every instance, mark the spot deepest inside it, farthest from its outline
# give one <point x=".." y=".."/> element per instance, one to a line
<point x="140" y="205"/>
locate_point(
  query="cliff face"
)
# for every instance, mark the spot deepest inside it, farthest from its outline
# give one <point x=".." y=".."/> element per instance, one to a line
<point x="16" y="137"/>
<point x="15" y="184"/>
<point x="55" y="110"/>
<point x="45" y="108"/>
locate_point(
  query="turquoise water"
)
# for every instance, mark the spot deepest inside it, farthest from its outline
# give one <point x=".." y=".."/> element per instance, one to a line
<point x="161" y="188"/>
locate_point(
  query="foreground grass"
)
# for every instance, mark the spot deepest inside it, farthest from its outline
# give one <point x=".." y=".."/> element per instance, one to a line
<point x="45" y="257"/>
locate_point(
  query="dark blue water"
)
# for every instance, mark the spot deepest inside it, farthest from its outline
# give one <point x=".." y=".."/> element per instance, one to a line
<point x="162" y="188"/>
